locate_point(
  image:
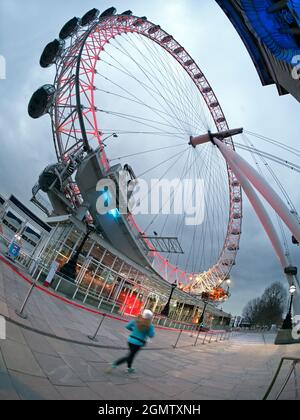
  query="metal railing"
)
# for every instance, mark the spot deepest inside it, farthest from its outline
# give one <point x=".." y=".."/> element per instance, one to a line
<point x="291" y="370"/>
<point x="23" y="259"/>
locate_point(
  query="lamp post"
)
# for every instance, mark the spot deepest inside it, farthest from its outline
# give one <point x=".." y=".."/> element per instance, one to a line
<point x="201" y="319"/>
<point x="69" y="269"/>
<point x="205" y="299"/>
<point x="166" y="310"/>
<point x="287" y="323"/>
<point x="228" y="281"/>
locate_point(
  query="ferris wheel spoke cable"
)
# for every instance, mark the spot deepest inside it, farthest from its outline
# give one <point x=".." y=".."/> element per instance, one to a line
<point x="211" y="216"/>
<point x="171" y="106"/>
<point x="209" y="206"/>
<point x="206" y="149"/>
<point x="164" y="204"/>
<point x="204" y="227"/>
<point x="289" y="202"/>
<point x="275" y="142"/>
<point x="162" y="176"/>
<point x="186" y="171"/>
<point x="174" y="196"/>
<point x="167" y="201"/>
<point x="188" y="92"/>
<point x="154" y="80"/>
<point x="108" y="131"/>
<point x="201" y="157"/>
<point x="134" y="77"/>
<point x="135" y="118"/>
<point x="271" y="157"/>
<point x="135" y="99"/>
<point x="155" y="110"/>
<point x="147" y="89"/>
<point x="196" y="236"/>
<point x="193" y="239"/>
<point x="184" y="93"/>
<point x="275" y="178"/>
<point x="180" y="221"/>
<point x="160" y="164"/>
<point x="163" y="81"/>
<point x="147" y="151"/>
<point x="219" y="188"/>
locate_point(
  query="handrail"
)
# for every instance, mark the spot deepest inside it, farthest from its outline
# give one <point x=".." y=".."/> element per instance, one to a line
<point x="295" y="361"/>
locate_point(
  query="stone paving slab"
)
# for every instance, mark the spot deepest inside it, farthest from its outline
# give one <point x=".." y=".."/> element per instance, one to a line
<point x="35" y="366"/>
<point x="7" y="389"/>
<point x="57" y="370"/>
<point x="19" y="357"/>
<point x="77" y="393"/>
<point x="2" y="364"/>
<point x="30" y="387"/>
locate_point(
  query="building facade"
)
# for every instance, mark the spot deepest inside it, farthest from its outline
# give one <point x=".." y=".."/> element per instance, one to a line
<point x="106" y="279"/>
<point x="18" y="219"/>
<point x="270" y="30"/>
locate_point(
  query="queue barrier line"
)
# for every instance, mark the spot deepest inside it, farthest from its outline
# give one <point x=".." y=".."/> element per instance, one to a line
<point x="77" y="305"/>
<point x="71" y="341"/>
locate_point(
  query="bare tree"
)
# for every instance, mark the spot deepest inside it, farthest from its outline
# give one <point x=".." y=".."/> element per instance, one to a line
<point x="269" y="308"/>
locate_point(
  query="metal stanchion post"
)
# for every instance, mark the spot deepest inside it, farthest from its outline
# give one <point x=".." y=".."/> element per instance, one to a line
<point x="20" y="313"/>
<point x="210" y="338"/>
<point x="178" y="338"/>
<point x="93" y="338"/>
<point x="203" y="342"/>
<point x="199" y="331"/>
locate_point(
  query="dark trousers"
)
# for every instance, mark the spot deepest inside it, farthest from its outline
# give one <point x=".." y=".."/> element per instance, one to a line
<point x="133" y="350"/>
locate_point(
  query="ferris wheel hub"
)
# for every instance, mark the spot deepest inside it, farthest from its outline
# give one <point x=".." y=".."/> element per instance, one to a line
<point x="209" y="137"/>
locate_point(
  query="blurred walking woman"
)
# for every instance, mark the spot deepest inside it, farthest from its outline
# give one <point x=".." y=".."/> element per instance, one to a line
<point x="141" y="328"/>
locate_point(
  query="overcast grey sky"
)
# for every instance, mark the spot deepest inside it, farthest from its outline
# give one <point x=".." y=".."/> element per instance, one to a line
<point x="26" y="145"/>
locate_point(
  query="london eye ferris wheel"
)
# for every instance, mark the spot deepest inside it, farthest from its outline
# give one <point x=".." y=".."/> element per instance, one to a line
<point x="127" y="95"/>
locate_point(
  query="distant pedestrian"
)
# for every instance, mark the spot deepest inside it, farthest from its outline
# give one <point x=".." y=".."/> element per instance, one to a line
<point x="141" y="328"/>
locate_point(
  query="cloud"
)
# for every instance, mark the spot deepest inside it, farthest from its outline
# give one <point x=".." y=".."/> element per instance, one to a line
<point x="202" y="27"/>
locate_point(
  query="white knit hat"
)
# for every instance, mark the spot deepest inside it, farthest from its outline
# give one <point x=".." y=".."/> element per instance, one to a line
<point x="147" y="314"/>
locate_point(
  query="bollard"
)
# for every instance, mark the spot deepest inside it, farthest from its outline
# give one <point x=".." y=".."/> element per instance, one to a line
<point x="197" y="337"/>
<point x="94" y="337"/>
<point x="20" y="312"/>
<point x="178" y="338"/>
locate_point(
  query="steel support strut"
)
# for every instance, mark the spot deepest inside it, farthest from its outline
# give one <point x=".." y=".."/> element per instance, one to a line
<point x="247" y="175"/>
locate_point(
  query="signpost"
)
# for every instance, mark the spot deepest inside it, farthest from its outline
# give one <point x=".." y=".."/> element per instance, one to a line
<point x="14" y="247"/>
<point x="53" y="269"/>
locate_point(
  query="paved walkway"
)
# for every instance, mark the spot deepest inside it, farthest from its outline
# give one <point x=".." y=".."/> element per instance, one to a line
<point x="40" y="366"/>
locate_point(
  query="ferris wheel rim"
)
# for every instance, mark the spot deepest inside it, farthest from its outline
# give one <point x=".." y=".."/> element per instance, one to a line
<point x="126" y="25"/>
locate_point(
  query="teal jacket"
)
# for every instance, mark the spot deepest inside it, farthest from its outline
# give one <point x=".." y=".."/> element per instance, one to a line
<point x="138" y="337"/>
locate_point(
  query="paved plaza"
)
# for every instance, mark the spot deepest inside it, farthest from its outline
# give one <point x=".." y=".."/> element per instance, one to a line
<point x="48" y="356"/>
